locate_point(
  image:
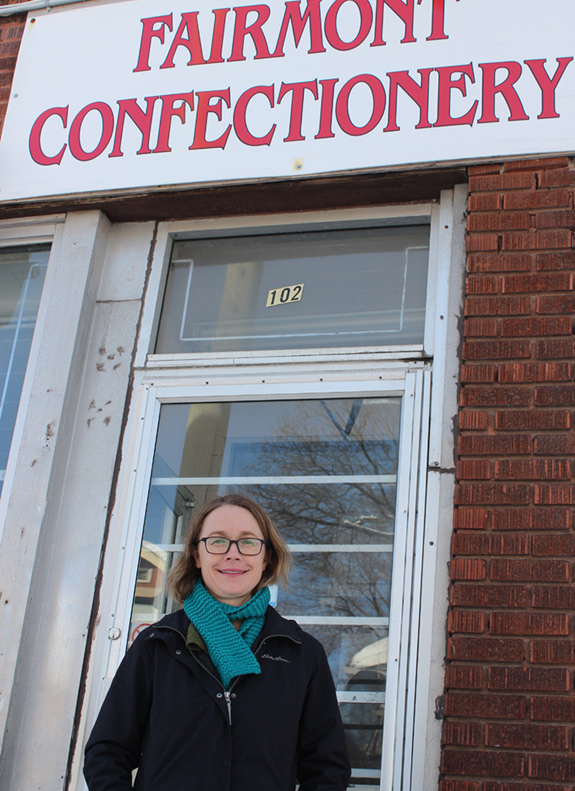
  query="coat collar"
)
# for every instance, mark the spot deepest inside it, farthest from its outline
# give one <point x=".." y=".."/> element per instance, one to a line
<point x="274" y="625"/>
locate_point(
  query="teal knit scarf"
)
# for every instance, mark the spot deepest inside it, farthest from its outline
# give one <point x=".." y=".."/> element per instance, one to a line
<point x="229" y="648"/>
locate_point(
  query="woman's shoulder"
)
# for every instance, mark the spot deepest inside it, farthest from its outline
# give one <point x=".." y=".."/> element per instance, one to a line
<point x="276" y="624"/>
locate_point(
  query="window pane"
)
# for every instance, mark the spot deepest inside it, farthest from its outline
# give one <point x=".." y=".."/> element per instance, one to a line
<point x="326" y="471"/>
<point x="362" y="287"/>
<point x="22" y="273"/>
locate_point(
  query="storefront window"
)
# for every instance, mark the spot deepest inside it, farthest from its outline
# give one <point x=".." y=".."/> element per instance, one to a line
<point x="352" y="287"/>
<point x="22" y="271"/>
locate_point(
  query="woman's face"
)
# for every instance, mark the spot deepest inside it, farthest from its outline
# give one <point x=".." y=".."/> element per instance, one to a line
<point x="232" y="577"/>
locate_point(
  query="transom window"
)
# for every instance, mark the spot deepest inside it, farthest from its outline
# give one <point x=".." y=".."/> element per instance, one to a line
<point x="351" y="287"/>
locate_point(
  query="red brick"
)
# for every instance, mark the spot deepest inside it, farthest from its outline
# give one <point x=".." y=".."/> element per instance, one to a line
<point x="547" y="652"/>
<point x="552" y="444"/>
<point x="548" y="262"/>
<point x="487" y="167"/>
<point x="532" y="469"/>
<point x="556" y="325"/>
<point x="555" y="349"/>
<point x="478" y="374"/>
<point x="536" y="164"/>
<point x="481" y="543"/>
<point x="478" y="263"/>
<point x="482" y="285"/>
<point x="466" y="622"/>
<point x="552" y="767"/>
<point x="537" y="679"/>
<point x="497" y="306"/>
<point x="529" y="570"/>
<point x="551" y="518"/>
<point x="555" y="219"/>
<point x="464" y="785"/>
<point x="508" y="181"/>
<point x="481" y="649"/>
<point x="555" y="395"/>
<point x="481" y="328"/>
<point x="463" y="734"/>
<point x="557" y="178"/>
<point x="471" y="420"/>
<point x="494" y="396"/>
<point x="553" y="597"/>
<point x="471" y="519"/>
<point x="553" y="709"/>
<point x="554" y="494"/>
<point x="526" y="736"/>
<point x="529" y="518"/>
<point x="466" y="677"/>
<point x="557" y="303"/>
<point x="527" y="786"/>
<point x="464" y="569"/>
<point x="494" y="444"/>
<point x="470" y="595"/>
<point x="516" y="373"/>
<point x="528" y="623"/>
<point x="535" y="240"/>
<point x="546" y="545"/>
<point x="496" y="350"/>
<point x="479" y="764"/>
<point x="480" y="242"/>
<point x="459" y="704"/>
<point x="541" y="283"/>
<point x="473" y="470"/>
<point x="537" y="199"/>
<point x="500" y="221"/>
<point x="532" y="420"/>
<point x="489" y="202"/>
<point x="492" y="494"/>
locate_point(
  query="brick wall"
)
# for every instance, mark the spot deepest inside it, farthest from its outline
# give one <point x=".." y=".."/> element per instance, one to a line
<point x="509" y="697"/>
<point x="11" y="30"/>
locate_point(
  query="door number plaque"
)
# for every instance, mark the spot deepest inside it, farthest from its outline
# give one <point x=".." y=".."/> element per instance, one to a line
<point x="283" y="295"/>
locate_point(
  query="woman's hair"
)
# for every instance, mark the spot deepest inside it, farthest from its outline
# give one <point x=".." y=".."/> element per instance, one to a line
<point x="184" y="573"/>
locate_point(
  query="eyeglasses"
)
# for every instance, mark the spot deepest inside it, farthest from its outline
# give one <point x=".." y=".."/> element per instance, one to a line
<point x="218" y="545"/>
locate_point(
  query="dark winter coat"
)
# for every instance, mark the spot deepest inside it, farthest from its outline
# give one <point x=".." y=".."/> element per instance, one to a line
<point x="168" y="714"/>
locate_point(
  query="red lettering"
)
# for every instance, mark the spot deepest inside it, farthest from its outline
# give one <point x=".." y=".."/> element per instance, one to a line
<point x="240" y="125"/>
<point x="297" y="90"/>
<point x="143" y="120"/>
<point x="342" y="105"/>
<point x="419" y="94"/>
<point x="35" y="145"/>
<point x="148" y="33"/>
<point x="191" y="41"/>
<point x="254" y="30"/>
<point x="298" y="22"/>
<point x="331" y="31"/>
<point x="437" y="21"/>
<point x="169" y="112"/>
<point x="505" y="88"/>
<point x="107" y="117"/>
<point x="326" y="111"/>
<point x="548" y="84"/>
<point x="404" y="10"/>
<point x="446" y="85"/>
<point x="204" y="107"/>
<point x="218" y="35"/>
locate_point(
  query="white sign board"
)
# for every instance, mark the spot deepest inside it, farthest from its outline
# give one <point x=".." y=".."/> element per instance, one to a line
<point x="141" y="93"/>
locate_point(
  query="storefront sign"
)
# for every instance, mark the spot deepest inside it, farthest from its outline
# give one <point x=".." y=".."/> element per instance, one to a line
<point x="135" y="93"/>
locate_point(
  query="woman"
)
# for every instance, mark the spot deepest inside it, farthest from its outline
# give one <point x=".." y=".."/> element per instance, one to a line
<point x="224" y="695"/>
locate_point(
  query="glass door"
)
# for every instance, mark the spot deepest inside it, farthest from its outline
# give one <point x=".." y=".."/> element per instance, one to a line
<point x="326" y="469"/>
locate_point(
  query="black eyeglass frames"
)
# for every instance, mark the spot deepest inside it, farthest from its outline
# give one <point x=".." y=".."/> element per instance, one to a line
<point x="218" y="545"/>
